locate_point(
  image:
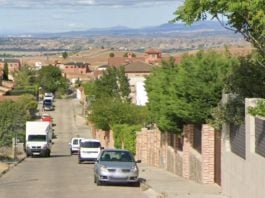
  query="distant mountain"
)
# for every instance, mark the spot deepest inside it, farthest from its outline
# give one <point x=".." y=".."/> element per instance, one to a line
<point x="164" y="29"/>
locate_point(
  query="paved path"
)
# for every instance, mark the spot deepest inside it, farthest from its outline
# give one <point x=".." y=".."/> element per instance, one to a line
<point x="161" y="183"/>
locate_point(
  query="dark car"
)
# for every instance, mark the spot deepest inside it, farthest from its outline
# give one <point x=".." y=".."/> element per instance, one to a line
<point x="116" y="166"/>
<point x="47" y="105"/>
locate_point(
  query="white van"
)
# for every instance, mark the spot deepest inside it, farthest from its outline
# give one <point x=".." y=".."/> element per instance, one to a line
<point x="89" y="150"/>
<point x="38" y="138"/>
<point x="75" y="144"/>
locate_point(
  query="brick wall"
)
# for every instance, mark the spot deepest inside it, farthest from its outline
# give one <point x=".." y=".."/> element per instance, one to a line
<point x="161" y="150"/>
<point x="105" y="137"/>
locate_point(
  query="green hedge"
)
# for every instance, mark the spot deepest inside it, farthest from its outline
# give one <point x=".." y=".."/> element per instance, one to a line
<point x="125" y="135"/>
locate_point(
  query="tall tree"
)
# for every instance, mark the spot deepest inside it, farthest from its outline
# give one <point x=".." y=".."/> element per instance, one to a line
<point x="111" y="103"/>
<point x="50" y="79"/>
<point x="187" y="92"/>
<point x="113" y="84"/>
<point x="65" y="55"/>
<point x="13" y="117"/>
<point x="245" y="16"/>
<point x="25" y="77"/>
<point x="6" y="72"/>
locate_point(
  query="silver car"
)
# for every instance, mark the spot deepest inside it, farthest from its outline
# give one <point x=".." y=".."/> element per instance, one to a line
<point x="116" y="166"/>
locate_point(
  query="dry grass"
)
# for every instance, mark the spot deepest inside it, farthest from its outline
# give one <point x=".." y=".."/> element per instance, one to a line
<point x="98" y="57"/>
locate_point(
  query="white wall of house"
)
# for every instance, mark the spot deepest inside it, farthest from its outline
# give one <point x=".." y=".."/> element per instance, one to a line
<point x="78" y="94"/>
<point x="138" y="93"/>
<point x="243" y="178"/>
<point x="141" y="95"/>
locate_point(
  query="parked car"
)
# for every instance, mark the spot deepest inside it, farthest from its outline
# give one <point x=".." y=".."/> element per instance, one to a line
<point x="75" y="144"/>
<point x="46" y="118"/>
<point x="49" y="96"/>
<point x="47" y="105"/>
<point x="89" y="150"/>
<point x="116" y="166"/>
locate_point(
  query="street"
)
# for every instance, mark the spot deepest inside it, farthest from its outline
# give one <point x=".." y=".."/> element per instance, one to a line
<point x="60" y="176"/>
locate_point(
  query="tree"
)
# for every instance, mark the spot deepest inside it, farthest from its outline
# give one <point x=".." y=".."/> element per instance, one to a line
<point x="247" y="79"/>
<point x="50" y="79"/>
<point x="14" y="116"/>
<point x="111" y="54"/>
<point x="65" y="55"/>
<point x="112" y="84"/>
<point x="5" y="75"/>
<point x="245" y="16"/>
<point x="187" y="92"/>
<point x="106" y="112"/>
<point x="111" y="104"/>
<point x="25" y="77"/>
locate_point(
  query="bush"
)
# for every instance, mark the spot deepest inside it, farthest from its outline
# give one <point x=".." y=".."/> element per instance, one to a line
<point x="125" y="136"/>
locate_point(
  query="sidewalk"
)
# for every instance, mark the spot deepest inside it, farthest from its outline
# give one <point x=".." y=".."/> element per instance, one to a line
<point x="159" y="183"/>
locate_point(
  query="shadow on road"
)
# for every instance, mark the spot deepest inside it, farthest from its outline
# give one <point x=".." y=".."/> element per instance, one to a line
<point x="59" y="155"/>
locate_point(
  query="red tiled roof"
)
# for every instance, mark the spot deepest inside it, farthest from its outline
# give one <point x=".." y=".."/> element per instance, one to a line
<point x="138" y="67"/>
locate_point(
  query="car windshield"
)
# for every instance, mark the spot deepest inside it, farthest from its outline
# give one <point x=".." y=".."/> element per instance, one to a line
<point x="37" y="138"/>
<point x="75" y="141"/>
<point x="90" y="144"/>
<point x="118" y="156"/>
<point x="47" y="102"/>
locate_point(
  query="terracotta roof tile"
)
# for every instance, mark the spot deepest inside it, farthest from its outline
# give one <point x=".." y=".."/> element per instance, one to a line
<point x="138" y="67"/>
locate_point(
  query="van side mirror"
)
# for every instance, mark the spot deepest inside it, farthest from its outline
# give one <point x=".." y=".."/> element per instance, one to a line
<point x="138" y="161"/>
<point x="101" y="147"/>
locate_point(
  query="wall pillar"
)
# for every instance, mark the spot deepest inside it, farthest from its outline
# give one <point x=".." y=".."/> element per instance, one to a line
<point x="207" y="155"/>
<point x="187" y="144"/>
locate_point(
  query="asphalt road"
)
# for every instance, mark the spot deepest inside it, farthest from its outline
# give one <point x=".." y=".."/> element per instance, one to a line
<point x="60" y="176"/>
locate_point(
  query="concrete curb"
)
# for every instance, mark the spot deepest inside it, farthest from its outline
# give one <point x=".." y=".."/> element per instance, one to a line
<point x="150" y="191"/>
<point x="12" y="166"/>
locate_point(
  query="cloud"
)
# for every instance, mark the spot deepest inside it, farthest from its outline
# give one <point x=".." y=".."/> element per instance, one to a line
<point x="80" y="3"/>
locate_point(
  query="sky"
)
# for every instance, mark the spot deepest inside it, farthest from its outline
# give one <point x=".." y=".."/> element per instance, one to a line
<point x="31" y="16"/>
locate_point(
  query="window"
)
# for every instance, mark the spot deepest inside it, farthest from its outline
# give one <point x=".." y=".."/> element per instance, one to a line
<point x="90" y="144"/>
<point x="37" y="138"/>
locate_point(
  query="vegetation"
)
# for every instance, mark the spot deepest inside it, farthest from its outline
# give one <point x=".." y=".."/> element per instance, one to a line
<point x="113" y="84"/>
<point x="110" y="106"/>
<point x="65" y="55"/>
<point x="245" y="16"/>
<point x="259" y="110"/>
<point x="246" y="81"/>
<point x="125" y="136"/>
<point x="187" y="92"/>
<point x="126" y="54"/>
<point x="25" y="77"/>
<point x="111" y="54"/>
<point x="6" y="72"/>
<point x="13" y="117"/>
<point x="50" y="79"/>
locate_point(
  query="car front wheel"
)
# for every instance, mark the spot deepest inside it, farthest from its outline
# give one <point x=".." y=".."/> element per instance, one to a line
<point x="99" y="183"/>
